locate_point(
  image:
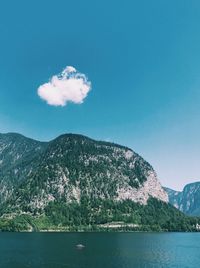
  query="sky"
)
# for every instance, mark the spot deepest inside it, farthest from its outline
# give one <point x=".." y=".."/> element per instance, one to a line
<point x="134" y="67"/>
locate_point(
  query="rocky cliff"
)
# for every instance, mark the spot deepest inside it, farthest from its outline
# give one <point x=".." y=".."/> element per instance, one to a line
<point x="34" y="173"/>
<point x="187" y="201"/>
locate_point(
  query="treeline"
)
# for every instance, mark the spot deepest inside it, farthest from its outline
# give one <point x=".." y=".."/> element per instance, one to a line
<point x="92" y="215"/>
<point x="156" y="215"/>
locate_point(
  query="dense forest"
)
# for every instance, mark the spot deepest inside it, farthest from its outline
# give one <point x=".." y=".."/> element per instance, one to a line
<point x="95" y="215"/>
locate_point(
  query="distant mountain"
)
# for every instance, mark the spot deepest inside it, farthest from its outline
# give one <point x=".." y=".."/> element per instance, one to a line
<point x="76" y="181"/>
<point x="187" y="201"/>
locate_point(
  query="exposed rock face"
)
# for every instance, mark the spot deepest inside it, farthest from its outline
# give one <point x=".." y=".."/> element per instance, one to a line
<point x="151" y="187"/>
<point x="70" y="167"/>
<point x="187" y="201"/>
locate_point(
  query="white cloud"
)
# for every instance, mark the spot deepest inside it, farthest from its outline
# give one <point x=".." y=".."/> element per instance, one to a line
<point x="68" y="86"/>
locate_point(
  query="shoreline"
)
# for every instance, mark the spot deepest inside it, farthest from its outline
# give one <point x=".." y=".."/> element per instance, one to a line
<point x="98" y="231"/>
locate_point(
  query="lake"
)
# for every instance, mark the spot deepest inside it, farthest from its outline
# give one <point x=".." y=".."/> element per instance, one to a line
<point x="102" y="250"/>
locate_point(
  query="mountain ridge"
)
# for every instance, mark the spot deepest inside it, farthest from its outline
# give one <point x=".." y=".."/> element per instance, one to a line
<point x="110" y="161"/>
<point x="73" y="181"/>
<point x="187" y="200"/>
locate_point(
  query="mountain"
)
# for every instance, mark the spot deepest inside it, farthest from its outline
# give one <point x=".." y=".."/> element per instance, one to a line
<point x="76" y="181"/>
<point x="187" y="201"/>
<point x="72" y="166"/>
<point x="18" y="157"/>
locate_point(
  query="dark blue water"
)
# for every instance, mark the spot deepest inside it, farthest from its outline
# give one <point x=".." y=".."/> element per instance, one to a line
<point x="103" y="250"/>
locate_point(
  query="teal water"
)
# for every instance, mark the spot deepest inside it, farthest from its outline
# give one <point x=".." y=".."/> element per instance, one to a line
<point x="102" y="250"/>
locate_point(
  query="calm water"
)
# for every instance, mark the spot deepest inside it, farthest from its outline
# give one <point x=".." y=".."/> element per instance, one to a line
<point x="103" y="250"/>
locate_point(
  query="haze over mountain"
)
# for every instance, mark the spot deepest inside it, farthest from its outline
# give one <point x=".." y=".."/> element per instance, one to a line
<point x="187" y="201"/>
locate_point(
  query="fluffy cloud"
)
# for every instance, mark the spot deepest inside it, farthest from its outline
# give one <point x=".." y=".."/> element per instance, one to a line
<point x="68" y="86"/>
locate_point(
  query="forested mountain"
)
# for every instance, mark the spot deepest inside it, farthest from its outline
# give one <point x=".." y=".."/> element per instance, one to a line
<point x="75" y="181"/>
<point x="18" y="157"/>
<point x="70" y="167"/>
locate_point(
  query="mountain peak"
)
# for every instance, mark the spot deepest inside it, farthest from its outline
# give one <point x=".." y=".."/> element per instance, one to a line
<point x="70" y="167"/>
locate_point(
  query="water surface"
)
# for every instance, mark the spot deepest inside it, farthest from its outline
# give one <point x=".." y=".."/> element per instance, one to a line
<point x="102" y="250"/>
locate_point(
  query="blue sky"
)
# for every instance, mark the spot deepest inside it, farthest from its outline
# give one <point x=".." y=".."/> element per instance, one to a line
<point x="142" y="58"/>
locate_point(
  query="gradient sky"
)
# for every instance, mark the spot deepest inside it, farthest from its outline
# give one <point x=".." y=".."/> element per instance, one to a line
<point x="143" y="59"/>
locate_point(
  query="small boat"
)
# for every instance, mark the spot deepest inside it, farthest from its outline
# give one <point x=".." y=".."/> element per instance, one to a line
<point x="80" y="246"/>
